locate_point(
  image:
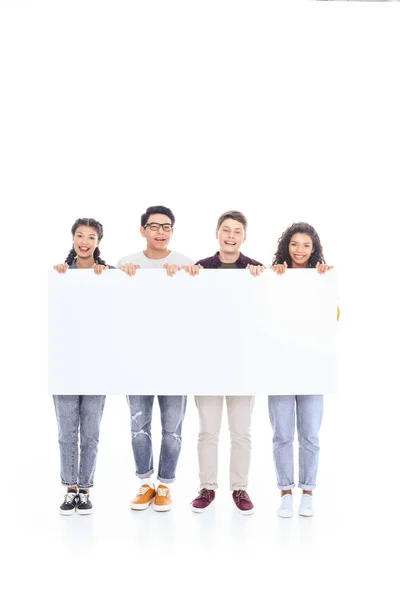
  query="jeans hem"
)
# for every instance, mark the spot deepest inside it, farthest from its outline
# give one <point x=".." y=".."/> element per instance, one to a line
<point x="236" y="488"/>
<point x="144" y="475"/>
<point x="209" y="486"/>
<point x="68" y="484"/>
<point x="307" y="488"/>
<point x="164" y="480"/>
<point x="84" y="487"/>
<point x="286" y="487"/>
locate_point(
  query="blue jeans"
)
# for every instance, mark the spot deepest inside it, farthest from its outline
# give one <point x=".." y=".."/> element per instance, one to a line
<point x="309" y="417"/>
<point x="78" y="416"/>
<point x="172" y="409"/>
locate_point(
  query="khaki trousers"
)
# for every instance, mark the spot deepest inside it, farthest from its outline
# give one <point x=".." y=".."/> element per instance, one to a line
<point x="239" y="419"/>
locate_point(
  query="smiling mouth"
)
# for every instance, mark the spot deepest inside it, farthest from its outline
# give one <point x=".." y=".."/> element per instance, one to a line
<point x="83" y="249"/>
<point x="231" y="243"/>
<point x="160" y="239"/>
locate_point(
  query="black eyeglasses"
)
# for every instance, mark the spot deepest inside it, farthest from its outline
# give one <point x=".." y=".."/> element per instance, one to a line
<point x="156" y="226"/>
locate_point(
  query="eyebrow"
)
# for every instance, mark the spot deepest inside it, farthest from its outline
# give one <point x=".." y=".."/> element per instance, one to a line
<point x="157" y="223"/>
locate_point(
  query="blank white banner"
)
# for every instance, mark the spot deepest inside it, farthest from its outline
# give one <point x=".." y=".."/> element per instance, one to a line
<point x="223" y="332"/>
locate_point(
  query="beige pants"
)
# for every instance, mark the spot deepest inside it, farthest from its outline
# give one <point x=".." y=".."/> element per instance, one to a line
<point x="239" y="418"/>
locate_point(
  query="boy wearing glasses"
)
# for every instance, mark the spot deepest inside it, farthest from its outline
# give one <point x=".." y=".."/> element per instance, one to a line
<point x="157" y="226"/>
<point x="231" y="233"/>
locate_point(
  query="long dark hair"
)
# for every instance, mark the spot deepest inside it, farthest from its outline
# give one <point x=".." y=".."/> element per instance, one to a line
<point x="282" y="252"/>
<point x="99" y="230"/>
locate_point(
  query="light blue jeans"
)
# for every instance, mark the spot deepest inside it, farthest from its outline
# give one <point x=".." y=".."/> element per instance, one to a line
<point x="78" y="416"/>
<point x="309" y="411"/>
<point x="172" y="409"/>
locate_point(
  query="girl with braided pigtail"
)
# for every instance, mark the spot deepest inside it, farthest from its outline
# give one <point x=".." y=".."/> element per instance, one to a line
<point x="80" y="413"/>
<point x="299" y="247"/>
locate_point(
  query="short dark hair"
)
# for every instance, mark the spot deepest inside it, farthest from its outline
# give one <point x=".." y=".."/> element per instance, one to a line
<point x="160" y="210"/>
<point x="233" y="214"/>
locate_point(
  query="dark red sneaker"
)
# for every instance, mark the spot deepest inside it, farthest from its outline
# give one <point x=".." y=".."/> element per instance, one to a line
<point x="203" y="500"/>
<point x="243" y="502"/>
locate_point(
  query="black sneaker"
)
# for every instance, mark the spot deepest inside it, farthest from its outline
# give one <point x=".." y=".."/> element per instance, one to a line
<point x="83" y="504"/>
<point x="69" y="504"/>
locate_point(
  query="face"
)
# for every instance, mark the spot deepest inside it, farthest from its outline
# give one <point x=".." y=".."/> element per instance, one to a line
<point x="300" y="249"/>
<point x="231" y="235"/>
<point x="158" y="239"/>
<point x="85" y="241"/>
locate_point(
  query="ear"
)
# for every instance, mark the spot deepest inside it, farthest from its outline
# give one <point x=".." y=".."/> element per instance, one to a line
<point x="244" y="237"/>
<point x="143" y="231"/>
<point x="216" y="233"/>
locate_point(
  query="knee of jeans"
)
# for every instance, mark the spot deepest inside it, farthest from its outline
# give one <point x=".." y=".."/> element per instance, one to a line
<point x="137" y="423"/>
<point x="87" y="440"/>
<point x="173" y="434"/>
<point x="309" y="441"/>
<point x="283" y="438"/>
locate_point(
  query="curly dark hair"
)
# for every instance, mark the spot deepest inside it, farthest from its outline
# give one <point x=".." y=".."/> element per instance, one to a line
<point x="282" y="252"/>
<point x="99" y="229"/>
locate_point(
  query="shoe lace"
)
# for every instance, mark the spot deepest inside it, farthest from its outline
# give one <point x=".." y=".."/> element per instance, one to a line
<point x="70" y="497"/>
<point x="142" y="491"/>
<point x="162" y="491"/>
<point x="83" y="497"/>
<point x="242" y="495"/>
<point x="204" y="493"/>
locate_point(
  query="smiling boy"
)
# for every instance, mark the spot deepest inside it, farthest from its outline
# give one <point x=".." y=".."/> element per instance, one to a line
<point x="231" y="233"/>
<point x="157" y="227"/>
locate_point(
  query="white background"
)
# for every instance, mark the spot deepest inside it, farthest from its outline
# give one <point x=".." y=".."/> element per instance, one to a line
<point x="284" y="110"/>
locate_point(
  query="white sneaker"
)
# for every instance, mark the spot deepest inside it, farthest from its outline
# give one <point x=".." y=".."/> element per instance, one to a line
<point x="306" y="505"/>
<point x="286" y="508"/>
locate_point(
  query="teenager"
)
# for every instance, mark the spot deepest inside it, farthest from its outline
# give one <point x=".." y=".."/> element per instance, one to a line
<point x="78" y="416"/>
<point x="299" y="247"/>
<point x="157" y="227"/>
<point x="231" y="234"/>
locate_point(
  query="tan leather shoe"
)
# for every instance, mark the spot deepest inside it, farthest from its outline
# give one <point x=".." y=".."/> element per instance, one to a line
<point x="144" y="497"/>
<point x="163" y="501"/>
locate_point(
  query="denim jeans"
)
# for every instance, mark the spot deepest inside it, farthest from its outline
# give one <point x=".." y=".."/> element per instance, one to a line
<point x="309" y="411"/>
<point x="78" y="416"/>
<point x="172" y="409"/>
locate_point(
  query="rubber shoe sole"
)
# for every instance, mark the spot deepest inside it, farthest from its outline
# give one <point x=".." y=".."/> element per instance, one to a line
<point x="135" y="506"/>
<point x="84" y="511"/>
<point x="67" y="513"/>
<point x="162" y="507"/>
<point x="200" y="510"/>
<point x="246" y="512"/>
<point x="285" y="513"/>
<point x="306" y="512"/>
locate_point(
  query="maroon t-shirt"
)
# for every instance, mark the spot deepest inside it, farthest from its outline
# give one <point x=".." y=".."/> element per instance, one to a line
<point x="213" y="262"/>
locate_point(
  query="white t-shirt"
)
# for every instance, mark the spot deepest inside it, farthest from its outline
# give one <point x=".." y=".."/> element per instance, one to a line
<point x="173" y="258"/>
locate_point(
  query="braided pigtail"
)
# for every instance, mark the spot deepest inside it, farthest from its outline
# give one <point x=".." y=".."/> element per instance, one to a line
<point x="96" y="256"/>
<point x="71" y="257"/>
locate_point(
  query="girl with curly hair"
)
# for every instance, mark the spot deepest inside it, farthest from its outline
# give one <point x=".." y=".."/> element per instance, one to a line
<point x="80" y="413"/>
<point x="299" y="247"/>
